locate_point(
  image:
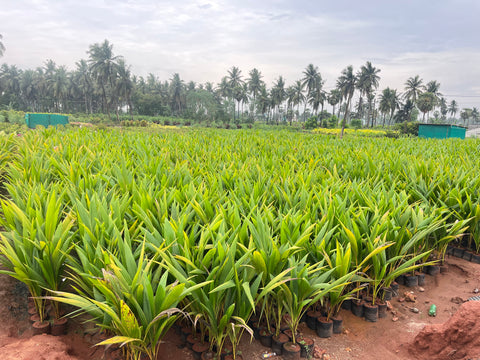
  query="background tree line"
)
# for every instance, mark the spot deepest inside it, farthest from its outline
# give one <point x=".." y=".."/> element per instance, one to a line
<point x="104" y="83"/>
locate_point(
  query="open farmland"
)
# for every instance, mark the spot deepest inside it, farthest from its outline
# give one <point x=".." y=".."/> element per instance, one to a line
<point x="227" y="226"/>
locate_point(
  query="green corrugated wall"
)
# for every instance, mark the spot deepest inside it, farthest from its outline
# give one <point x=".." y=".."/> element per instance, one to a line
<point x="46" y="120"/>
<point x="441" y="131"/>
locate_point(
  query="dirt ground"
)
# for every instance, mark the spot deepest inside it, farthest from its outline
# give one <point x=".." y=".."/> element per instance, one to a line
<point x="385" y="339"/>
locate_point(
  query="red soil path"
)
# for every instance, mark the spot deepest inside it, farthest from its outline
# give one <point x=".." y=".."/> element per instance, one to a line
<point x="451" y="334"/>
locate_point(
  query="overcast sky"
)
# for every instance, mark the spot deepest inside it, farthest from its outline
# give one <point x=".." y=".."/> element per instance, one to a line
<point x="201" y="40"/>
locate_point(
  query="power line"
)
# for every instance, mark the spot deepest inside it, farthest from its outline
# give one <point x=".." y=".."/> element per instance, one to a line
<point x="472" y="96"/>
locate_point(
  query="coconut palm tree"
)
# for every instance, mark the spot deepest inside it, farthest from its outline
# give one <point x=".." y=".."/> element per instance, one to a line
<point x="234" y="82"/>
<point x="443" y="108"/>
<point x="263" y="100"/>
<point x="465" y="115"/>
<point x="58" y="87"/>
<point x="426" y="102"/>
<point x="313" y="82"/>
<point x="296" y="96"/>
<point x="278" y="94"/>
<point x="367" y="83"/>
<point x="405" y="112"/>
<point x="384" y="105"/>
<point x="389" y="102"/>
<point x="413" y="88"/>
<point x="475" y="114"/>
<point x="242" y="96"/>
<point x="316" y="98"/>
<point x="11" y="79"/>
<point x="255" y="83"/>
<point x="27" y="88"/>
<point x="453" y="108"/>
<point x="334" y="98"/>
<point x="346" y="83"/>
<point x="40" y="84"/>
<point x="434" y="88"/>
<point x="124" y="84"/>
<point x="177" y="96"/>
<point x="191" y="86"/>
<point x="84" y="82"/>
<point x="103" y="63"/>
<point x="312" y="78"/>
<point x="394" y="100"/>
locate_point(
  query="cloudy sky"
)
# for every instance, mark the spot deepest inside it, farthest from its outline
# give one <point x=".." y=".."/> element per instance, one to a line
<point x="201" y="40"/>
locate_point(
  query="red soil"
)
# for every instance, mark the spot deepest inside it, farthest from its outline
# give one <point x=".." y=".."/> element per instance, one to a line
<point x="441" y="335"/>
<point x="458" y="338"/>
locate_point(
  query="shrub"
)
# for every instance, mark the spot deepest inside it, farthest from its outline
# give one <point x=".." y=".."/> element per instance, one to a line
<point x="332" y="121"/>
<point x="408" y="128"/>
<point x="356" y="123"/>
<point x="311" y="123"/>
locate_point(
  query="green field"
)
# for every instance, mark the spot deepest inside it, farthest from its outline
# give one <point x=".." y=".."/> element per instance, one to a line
<point x="147" y="225"/>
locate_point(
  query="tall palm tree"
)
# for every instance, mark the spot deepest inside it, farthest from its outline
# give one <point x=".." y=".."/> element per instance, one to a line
<point x="346" y="83"/>
<point x="191" y="86"/>
<point x="83" y="80"/>
<point x="465" y="115"/>
<point x="367" y="83"/>
<point x="2" y="47"/>
<point x="223" y="88"/>
<point x="434" y="88"/>
<point x="27" y="88"/>
<point x="102" y="63"/>
<point x="40" y="83"/>
<point x="475" y="114"/>
<point x="11" y="78"/>
<point x="241" y="95"/>
<point x="384" y="105"/>
<point x="278" y="94"/>
<point x="389" y="102"/>
<point x="426" y="102"/>
<point x="443" y="108"/>
<point x="296" y="96"/>
<point x="177" y="93"/>
<point x="124" y="84"/>
<point x="235" y="82"/>
<point x="313" y="82"/>
<point x="413" y="88"/>
<point x="209" y="87"/>
<point x="255" y="83"/>
<point x="334" y="98"/>
<point x="316" y="98"/>
<point x="453" y="108"/>
<point x="58" y="86"/>
<point x="263" y="100"/>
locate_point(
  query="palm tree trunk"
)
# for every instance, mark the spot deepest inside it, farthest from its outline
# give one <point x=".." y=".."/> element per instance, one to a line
<point x="369" y="113"/>
<point x="105" y="103"/>
<point x="130" y="110"/>
<point x="86" y="104"/>
<point x="347" y="108"/>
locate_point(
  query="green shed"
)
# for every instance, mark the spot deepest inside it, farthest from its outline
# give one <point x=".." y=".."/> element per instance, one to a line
<point x="441" y="131"/>
<point x="45" y="120"/>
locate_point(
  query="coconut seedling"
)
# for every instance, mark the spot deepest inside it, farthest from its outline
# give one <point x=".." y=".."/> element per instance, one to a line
<point x="309" y="284"/>
<point x="134" y="300"/>
<point x="37" y="245"/>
